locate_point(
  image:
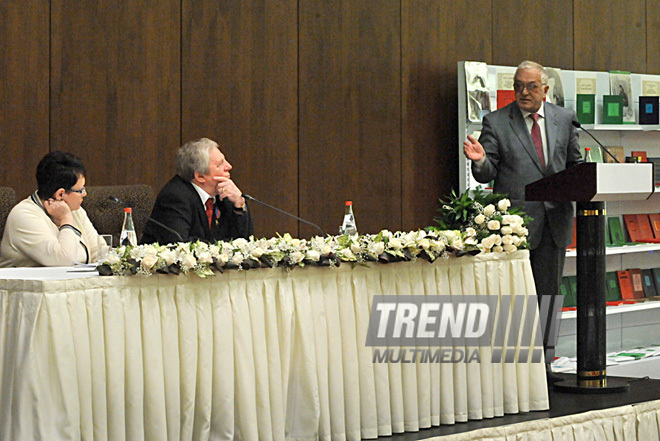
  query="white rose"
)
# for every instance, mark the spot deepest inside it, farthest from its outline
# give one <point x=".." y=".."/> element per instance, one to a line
<point x="479" y="219"/>
<point x="510" y="248"/>
<point x="296" y="257"/>
<point x="506" y="230"/>
<point x="489" y="210"/>
<point x="471" y="231"/>
<point x="376" y="248"/>
<point x="515" y="240"/>
<point x="240" y="243"/>
<point x="425" y="244"/>
<point x="387" y="233"/>
<point x="257" y="252"/>
<point x="326" y="250"/>
<point x="488" y="242"/>
<point x="355" y="247"/>
<point x="437" y="246"/>
<point x="497" y="249"/>
<point x="458" y="244"/>
<point x="471" y="241"/>
<point x="346" y="254"/>
<point x="519" y="229"/>
<point x="503" y="204"/>
<point x="507" y="239"/>
<point x="497" y="239"/>
<point x="395" y="243"/>
<point x="169" y="256"/>
<point x="313" y="255"/>
<point x="204" y="257"/>
<point x="237" y="258"/>
<point x="148" y="261"/>
<point x="112" y="258"/>
<point x="494" y="225"/>
<point x="188" y="262"/>
<point x="223" y="259"/>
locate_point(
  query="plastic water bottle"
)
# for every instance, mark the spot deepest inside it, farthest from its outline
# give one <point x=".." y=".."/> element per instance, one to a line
<point x="587" y="154"/>
<point x="348" y="226"/>
<point x="128" y="236"/>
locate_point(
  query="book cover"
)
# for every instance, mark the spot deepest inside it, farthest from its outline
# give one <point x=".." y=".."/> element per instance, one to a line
<point x="572" y="290"/>
<point x="618" y="153"/>
<point x="612" y="284"/>
<point x="625" y="285"/>
<point x="476" y="83"/>
<point x="505" y="97"/>
<point x="637" y="284"/>
<point x="633" y="228"/>
<point x="621" y="85"/>
<point x="648" y="110"/>
<point x="616" y="231"/>
<point x="555" y="94"/>
<point x="565" y="290"/>
<point x="640" y="155"/>
<point x="649" y="284"/>
<point x="654" y="219"/>
<point x="573" y="243"/>
<point x="656" y="278"/>
<point x="656" y="169"/>
<point x="612" y="109"/>
<point x="586" y="108"/>
<point x="645" y="227"/>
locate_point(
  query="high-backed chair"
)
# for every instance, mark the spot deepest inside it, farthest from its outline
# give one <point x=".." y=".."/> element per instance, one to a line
<point x="107" y="216"/>
<point x="7" y="202"/>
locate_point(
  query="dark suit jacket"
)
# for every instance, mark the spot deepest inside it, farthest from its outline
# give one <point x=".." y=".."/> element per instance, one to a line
<point x="512" y="161"/>
<point x="179" y="206"/>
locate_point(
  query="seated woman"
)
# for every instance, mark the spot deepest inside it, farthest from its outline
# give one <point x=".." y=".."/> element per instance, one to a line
<point x="49" y="228"/>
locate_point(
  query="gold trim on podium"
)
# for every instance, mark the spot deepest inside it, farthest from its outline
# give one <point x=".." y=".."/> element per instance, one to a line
<point x="602" y="212"/>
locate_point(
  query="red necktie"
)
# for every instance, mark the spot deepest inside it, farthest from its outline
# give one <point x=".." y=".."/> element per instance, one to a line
<point x="536" y="138"/>
<point x="209" y="210"/>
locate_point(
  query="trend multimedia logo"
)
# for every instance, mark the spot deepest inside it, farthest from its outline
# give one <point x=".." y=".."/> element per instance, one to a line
<point x="454" y="329"/>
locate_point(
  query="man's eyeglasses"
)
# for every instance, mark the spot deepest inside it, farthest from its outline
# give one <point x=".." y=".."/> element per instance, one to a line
<point x="81" y="191"/>
<point x="531" y="87"/>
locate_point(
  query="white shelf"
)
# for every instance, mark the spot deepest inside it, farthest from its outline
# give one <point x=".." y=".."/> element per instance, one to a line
<point x="622" y="127"/>
<point x="625" y="249"/>
<point x="619" y="309"/>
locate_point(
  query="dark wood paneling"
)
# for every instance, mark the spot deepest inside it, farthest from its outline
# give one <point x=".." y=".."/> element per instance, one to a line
<point x="610" y="35"/>
<point x="433" y="42"/>
<point x="350" y="113"/>
<point x="240" y="89"/>
<point x="115" y="88"/>
<point x="535" y="30"/>
<point x="653" y="36"/>
<point x="23" y="91"/>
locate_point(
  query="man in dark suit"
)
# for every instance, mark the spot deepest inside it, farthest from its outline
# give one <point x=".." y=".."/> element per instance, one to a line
<point x="522" y="143"/>
<point x="201" y="201"/>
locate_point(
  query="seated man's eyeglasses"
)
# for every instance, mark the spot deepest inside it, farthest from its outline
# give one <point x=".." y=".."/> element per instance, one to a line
<point x="84" y="190"/>
<point x="531" y="87"/>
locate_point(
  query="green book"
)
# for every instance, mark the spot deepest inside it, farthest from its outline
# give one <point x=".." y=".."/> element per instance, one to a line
<point x="612" y="283"/>
<point x="648" y="283"/>
<point x="572" y="286"/>
<point x="564" y="290"/>
<point x="616" y="232"/>
<point x="586" y="108"/>
<point x="612" y="109"/>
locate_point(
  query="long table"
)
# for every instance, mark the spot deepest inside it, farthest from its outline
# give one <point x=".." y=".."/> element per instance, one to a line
<point x="260" y="354"/>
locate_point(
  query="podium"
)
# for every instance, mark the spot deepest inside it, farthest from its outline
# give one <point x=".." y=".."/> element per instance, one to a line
<point x="590" y="185"/>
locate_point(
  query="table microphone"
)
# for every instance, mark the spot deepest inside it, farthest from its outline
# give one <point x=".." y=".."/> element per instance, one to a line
<point x="151" y="219"/>
<point x="250" y="198"/>
<point x="579" y="126"/>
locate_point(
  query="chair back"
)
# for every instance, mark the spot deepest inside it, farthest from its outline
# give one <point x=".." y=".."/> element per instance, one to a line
<point x="7" y="202"/>
<point x="107" y="216"/>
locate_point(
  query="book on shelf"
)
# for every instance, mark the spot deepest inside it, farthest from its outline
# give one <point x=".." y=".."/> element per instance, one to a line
<point x="612" y="284"/>
<point x="572" y="290"/>
<point x="555" y="94"/>
<point x="616" y="231"/>
<point x="586" y="108"/>
<point x="477" y="90"/>
<point x="625" y="285"/>
<point x="654" y="219"/>
<point x="649" y="284"/>
<point x="573" y="243"/>
<point x="639" y="227"/>
<point x="612" y="109"/>
<point x="565" y="290"/>
<point x="656" y="278"/>
<point x="621" y="85"/>
<point x="637" y="283"/>
<point x="618" y="153"/>
<point x="656" y="169"/>
<point x="640" y="155"/>
<point x="648" y="110"/>
<point x="645" y="227"/>
<point x="505" y="97"/>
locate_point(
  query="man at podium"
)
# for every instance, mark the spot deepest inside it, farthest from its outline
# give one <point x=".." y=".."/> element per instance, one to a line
<point x="523" y="142"/>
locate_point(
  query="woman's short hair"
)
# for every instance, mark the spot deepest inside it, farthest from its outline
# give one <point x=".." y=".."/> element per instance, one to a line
<point x="58" y="170"/>
<point x="194" y="156"/>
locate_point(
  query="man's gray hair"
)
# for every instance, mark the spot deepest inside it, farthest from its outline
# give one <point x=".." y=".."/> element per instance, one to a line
<point x="533" y="65"/>
<point x="194" y="156"/>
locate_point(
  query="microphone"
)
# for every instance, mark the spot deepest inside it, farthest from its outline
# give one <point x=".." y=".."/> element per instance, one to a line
<point x="250" y="198"/>
<point x="579" y="126"/>
<point x="151" y="219"/>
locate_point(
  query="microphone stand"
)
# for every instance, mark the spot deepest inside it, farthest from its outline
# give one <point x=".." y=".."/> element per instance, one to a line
<point x="250" y="198"/>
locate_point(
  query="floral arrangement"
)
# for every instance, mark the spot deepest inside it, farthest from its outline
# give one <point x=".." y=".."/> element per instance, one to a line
<point x="467" y="226"/>
<point x="488" y="220"/>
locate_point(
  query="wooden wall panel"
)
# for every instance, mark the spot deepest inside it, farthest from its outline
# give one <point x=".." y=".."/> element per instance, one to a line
<point x="535" y="30"/>
<point x="350" y="113"/>
<point x="653" y="36"/>
<point x="23" y="92"/>
<point x="610" y="35"/>
<point x="115" y="87"/>
<point x="435" y="38"/>
<point x="240" y="89"/>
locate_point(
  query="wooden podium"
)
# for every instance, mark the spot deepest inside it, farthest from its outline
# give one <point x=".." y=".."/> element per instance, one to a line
<point x="591" y="185"/>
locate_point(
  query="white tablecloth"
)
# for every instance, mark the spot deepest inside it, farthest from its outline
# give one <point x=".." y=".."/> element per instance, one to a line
<point x="259" y="354"/>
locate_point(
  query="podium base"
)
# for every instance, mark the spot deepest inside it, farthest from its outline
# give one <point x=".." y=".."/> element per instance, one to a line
<point x="611" y="385"/>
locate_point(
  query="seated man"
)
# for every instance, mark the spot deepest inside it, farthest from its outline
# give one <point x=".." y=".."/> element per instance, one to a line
<point x="201" y="201"/>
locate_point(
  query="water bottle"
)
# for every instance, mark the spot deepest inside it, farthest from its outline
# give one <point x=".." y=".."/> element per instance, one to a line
<point x="348" y="226"/>
<point x="587" y="154"/>
<point x="128" y="236"/>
